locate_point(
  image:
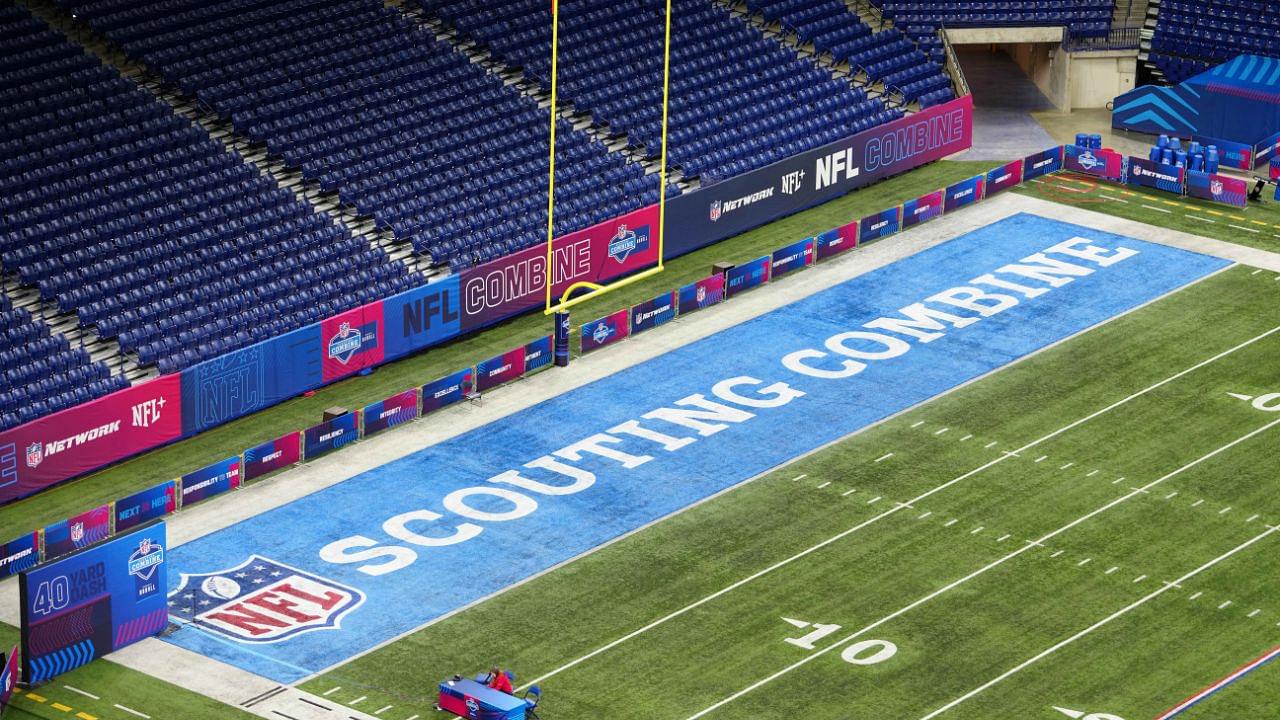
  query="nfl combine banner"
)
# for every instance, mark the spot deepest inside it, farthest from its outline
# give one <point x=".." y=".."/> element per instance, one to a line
<point x="328" y="436"/>
<point x="20" y="554"/>
<point x="447" y="390"/>
<point x="207" y="482"/>
<point x="701" y="294"/>
<point x="1106" y="164"/>
<point x="271" y="456"/>
<point x="605" y="331"/>
<point x="146" y="506"/>
<point x="399" y="408"/>
<point x="81" y="531"/>
<point x="1218" y="188"/>
<point x="94" y="602"/>
<point x="834" y="242"/>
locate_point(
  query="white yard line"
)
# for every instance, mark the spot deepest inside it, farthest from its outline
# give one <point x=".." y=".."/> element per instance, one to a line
<point x="82" y="692"/>
<point x="1119" y="613"/>
<point x="923" y="496"/>
<point x="947" y="588"/>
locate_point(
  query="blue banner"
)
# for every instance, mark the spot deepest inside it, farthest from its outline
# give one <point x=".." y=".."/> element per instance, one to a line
<point x="271" y="456"/>
<point x="397" y="409"/>
<point x="92" y="603"/>
<point x="701" y="294"/>
<point x="329" y="436"/>
<point x="745" y="277"/>
<point x="212" y="480"/>
<point x="422" y="317"/>
<point x="447" y="390"/>
<point x="882" y="224"/>
<point x="81" y="531"/>
<point x="652" y="313"/>
<point x="605" y="331"/>
<point x="19" y="554"/>
<point x="1218" y="188"/>
<point x="147" y="505"/>
<point x="1042" y="163"/>
<point x="795" y="256"/>
<point x="965" y="192"/>
<point x="537" y="354"/>
<point x="922" y="209"/>
<point x="1143" y="172"/>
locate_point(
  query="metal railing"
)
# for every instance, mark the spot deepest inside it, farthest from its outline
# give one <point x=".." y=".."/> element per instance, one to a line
<point x="1124" y="37"/>
<point x="958" y="82"/>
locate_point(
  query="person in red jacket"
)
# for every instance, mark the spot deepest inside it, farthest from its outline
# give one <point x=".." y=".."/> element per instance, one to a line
<point x="499" y="681"/>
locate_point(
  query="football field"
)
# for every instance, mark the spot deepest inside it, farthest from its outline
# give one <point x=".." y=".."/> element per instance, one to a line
<point x="1089" y="532"/>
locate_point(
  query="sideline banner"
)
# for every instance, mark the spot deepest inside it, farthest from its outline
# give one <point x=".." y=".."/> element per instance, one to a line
<point x="537" y="354"/>
<point x="271" y="456"/>
<point x="605" y="331"/>
<point x="922" y="209"/>
<point x="882" y="224"/>
<point x="447" y="390"/>
<point x="399" y="408"/>
<point x="701" y="294"/>
<point x="8" y="677"/>
<point x="501" y="369"/>
<point x="422" y="317"/>
<point x="1042" y="163"/>
<point x="215" y="479"/>
<point x="834" y="242"/>
<point x="965" y="192"/>
<point x="329" y="436"/>
<point x="1168" y="178"/>
<point x="795" y="256"/>
<point x="740" y="203"/>
<point x="81" y="531"/>
<point x="1231" y="154"/>
<point x="652" y="313"/>
<point x="1004" y="177"/>
<point x="1218" y="188"/>
<point x="1106" y="164"/>
<point x="147" y="505"/>
<point x="19" y="554"/>
<point x="85" y="437"/>
<point x="351" y="341"/>
<point x="744" y="277"/>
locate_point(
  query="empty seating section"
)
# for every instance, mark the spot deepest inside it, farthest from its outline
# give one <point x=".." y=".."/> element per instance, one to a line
<point x="134" y="218"/>
<point x="887" y="56"/>
<point x="922" y="18"/>
<point x="1193" y="35"/>
<point x="739" y="100"/>
<point x="367" y="103"/>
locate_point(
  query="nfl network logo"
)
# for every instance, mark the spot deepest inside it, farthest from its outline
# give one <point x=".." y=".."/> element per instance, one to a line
<point x="716" y="209"/>
<point x="262" y="601"/>
<point x="35" y="455"/>
<point x="1089" y="161"/>
<point x="626" y="241"/>
<point x="346" y="343"/>
<point x="602" y="333"/>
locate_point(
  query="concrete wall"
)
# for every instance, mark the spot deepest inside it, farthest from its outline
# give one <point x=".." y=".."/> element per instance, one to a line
<point x="1004" y="35"/>
<point x="1097" y="78"/>
<point x="1048" y="66"/>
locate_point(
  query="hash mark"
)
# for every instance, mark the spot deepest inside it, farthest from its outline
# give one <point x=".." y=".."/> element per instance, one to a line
<point x="848" y="492"/>
<point x="82" y="692"/>
<point x="1255" y="272"/>
<point x="1243" y="228"/>
<point x="1064" y="467"/>
<point x="977" y="530"/>
<point x="332" y="690"/>
<point x="1152" y="207"/>
<point x="1193" y="597"/>
<point x="1117" y="567"/>
<point x="1255" y="613"/>
<point x="1252" y="518"/>
<point x="1225" y="605"/>
<point x="1198" y="503"/>
<point x="1224" y="510"/>
<point x="884" y="457"/>
<point x="358" y="700"/>
<point x="1042" y="458"/>
<point x="966" y="437"/>
<point x="950" y="522"/>
<point x="1095" y="472"/>
<point x="383" y="710"/>
<point x="1139" y="579"/>
<point x="133" y="712"/>
<point x="873" y="500"/>
<point x="1171" y="495"/>
<point x="1117" y="480"/>
<point x="822" y="485"/>
<point x="925" y="515"/>
<point x="1002" y="538"/>
<point x="918" y="424"/>
<point x="989" y="445"/>
<point x="798" y="478"/>
<point x="1083" y="562"/>
<point x="1057" y="553"/>
<point x="942" y="431"/>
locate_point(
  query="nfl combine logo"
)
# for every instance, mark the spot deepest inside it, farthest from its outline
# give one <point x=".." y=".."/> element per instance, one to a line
<point x="626" y="241"/>
<point x="35" y="455"/>
<point x="602" y="333"/>
<point x="1089" y="161"/>
<point x="716" y="207"/>
<point x="262" y="601"/>
<point x="346" y="343"/>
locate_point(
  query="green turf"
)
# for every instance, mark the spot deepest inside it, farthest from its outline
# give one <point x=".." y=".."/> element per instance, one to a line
<point x="113" y="685"/>
<point x="875" y="580"/>
<point x="232" y="438"/>
<point x="1260" y="221"/>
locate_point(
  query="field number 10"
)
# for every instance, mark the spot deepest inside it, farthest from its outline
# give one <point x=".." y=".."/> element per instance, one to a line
<point x="864" y="652"/>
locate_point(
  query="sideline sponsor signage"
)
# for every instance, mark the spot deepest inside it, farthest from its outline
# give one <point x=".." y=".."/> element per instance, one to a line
<point x="1042" y="163"/>
<point x="1218" y="188"/>
<point x="879" y="225"/>
<point x="744" y="277"/>
<point x="605" y="331"/>
<point x="965" y="192"/>
<point x="652" y="313"/>
<point x="78" y="532"/>
<point x="537" y="354"/>
<point x="271" y="456"/>
<point x="1004" y="177"/>
<point x="795" y="256"/>
<point x="1231" y="154"/>
<point x="1168" y="178"/>
<point x="834" y="242"/>
<point x="1106" y="164"/>
<point x="399" y="408"/>
<point x="351" y="341"/>
<point x="213" y="480"/>
<point x="19" y="554"/>
<point x="8" y="677"/>
<point x="501" y="369"/>
<point x="922" y="209"/>
<point x="94" y="602"/>
<point x="447" y="390"/>
<point x="329" y="436"/>
<point x="68" y="443"/>
<point x="145" y="506"/>
<point x="701" y="294"/>
<point x="740" y="203"/>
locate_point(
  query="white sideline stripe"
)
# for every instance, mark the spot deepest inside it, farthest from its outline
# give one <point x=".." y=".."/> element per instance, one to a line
<point x="884" y="457"/>
<point x="1167" y="212"/>
<point x="838" y="536"/>
<point x="131" y="711"/>
<point x="1049" y="536"/>
<point x="1119" y="613"/>
<point x="82" y="692"/>
<point x="331" y="690"/>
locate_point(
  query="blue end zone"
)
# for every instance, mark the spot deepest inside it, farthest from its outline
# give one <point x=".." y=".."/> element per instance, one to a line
<point x="290" y="613"/>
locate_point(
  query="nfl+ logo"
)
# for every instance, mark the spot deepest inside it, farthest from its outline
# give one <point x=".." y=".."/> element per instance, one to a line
<point x="35" y="455"/>
<point x="262" y="601"/>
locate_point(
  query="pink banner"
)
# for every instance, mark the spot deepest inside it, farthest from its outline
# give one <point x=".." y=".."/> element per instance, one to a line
<point x="83" y="438"/>
<point x="352" y="341"/>
<point x="599" y="253"/>
<point x="1004" y="177"/>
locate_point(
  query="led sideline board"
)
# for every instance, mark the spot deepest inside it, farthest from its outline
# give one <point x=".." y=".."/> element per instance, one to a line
<point x="93" y="602"/>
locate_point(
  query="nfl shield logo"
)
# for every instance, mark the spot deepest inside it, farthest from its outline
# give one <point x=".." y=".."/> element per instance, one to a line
<point x="262" y="601"/>
<point x="1215" y="187"/>
<point x="77" y="532"/>
<point x="702" y="294"/>
<point x="35" y="455"/>
<point x="715" y="210"/>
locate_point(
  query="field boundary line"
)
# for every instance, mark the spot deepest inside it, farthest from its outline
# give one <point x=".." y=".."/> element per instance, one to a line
<point x="897" y="508"/>
<point x="1029" y="544"/>
<point x="1208" y="692"/>
<point x="1123" y="611"/>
